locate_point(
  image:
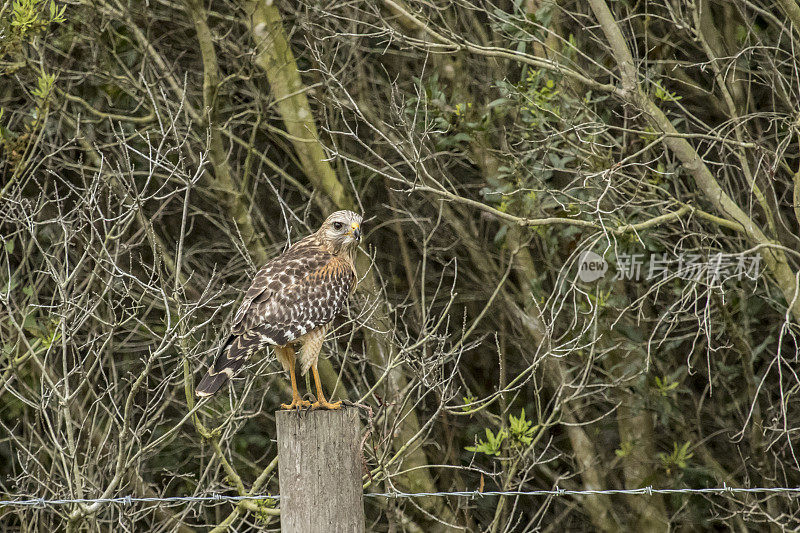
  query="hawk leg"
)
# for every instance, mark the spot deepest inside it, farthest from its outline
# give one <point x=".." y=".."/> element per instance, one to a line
<point x="309" y="354"/>
<point x="297" y="401"/>
<point x="321" y="402"/>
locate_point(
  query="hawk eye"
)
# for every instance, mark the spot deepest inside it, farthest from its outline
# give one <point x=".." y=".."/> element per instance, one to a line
<point x="338" y="226"/>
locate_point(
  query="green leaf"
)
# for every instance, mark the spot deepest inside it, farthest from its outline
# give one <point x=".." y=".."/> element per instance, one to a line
<point x="679" y="458"/>
<point x="492" y="444"/>
<point x="664" y="386"/>
<point x="521" y="429"/>
<point x="625" y="449"/>
<point x="468" y="400"/>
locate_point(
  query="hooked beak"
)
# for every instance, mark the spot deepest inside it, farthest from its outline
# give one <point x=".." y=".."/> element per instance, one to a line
<point x="356" y="232"/>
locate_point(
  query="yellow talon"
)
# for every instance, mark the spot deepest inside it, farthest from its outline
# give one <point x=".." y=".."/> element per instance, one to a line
<point x="297" y="403"/>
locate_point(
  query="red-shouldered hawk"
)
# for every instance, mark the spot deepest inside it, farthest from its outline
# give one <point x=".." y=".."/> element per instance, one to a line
<point x="293" y="300"/>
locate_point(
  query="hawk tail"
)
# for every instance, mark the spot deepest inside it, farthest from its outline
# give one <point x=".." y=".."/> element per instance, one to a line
<point x="231" y="357"/>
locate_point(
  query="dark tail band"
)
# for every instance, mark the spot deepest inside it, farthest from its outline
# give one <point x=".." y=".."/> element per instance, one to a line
<point x="210" y="384"/>
<point x="227" y="362"/>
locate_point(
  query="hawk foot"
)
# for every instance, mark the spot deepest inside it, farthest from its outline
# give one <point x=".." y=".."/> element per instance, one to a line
<point x="326" y="405"/>
<point x="297" y="403"/>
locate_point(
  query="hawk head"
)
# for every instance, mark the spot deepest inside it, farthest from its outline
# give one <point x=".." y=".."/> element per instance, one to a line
<point x="341" y="232"/>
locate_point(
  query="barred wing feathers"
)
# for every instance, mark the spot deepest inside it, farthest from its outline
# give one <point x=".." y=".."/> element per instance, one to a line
<point x="293" y="294"/>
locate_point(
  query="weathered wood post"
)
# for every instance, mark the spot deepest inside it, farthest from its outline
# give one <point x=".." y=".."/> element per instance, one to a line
<point x="320" y="468"/>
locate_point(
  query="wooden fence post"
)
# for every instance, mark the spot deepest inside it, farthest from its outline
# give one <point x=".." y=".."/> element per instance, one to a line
<point x="320" y="470"/>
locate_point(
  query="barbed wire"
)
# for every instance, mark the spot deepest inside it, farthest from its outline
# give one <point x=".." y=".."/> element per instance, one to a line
<point x="644" y="491"/>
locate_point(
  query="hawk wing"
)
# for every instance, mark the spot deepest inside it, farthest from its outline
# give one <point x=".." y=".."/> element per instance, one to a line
<point x="301" y="290"/>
